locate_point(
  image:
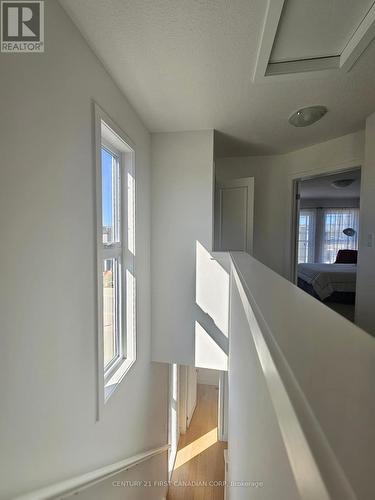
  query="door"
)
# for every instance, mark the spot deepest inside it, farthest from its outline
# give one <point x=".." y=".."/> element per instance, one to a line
<point x="187" y="396"/>
<point x="234" y="209"/>
<point x="173" y="427"/>
<point x="191" y="393"/>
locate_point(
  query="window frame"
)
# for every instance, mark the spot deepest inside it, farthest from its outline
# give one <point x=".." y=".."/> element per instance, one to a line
<point x="115" y="251"/>
<point x="339" y="212"/>
<point x="111" y="138"/>
<point x="310" y="213"/>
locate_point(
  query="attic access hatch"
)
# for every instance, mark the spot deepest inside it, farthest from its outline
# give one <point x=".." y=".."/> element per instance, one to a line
<point x="301" y="36"/>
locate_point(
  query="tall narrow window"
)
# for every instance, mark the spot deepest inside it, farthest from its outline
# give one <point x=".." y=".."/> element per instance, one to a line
<point x="113" y="343"/>
<point x="306" y="236"/>
<point x="335" y="220"/>
<point x="116" y="253"/>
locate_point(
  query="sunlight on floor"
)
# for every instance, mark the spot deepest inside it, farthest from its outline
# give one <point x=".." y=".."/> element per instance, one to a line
<point x="195" y="448"/>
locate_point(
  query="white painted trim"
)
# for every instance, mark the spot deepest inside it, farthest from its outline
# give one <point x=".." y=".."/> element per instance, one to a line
<point x="183" y="398"/>
<point x="105" y="128"/>
<point x="271" y="22"/>
<point x="222" y="434"/>
<point x="73" y="485"/>
<point x="305" y="68"/>
<point x="294" y="231"/>
<point x="362" y="37"/>
<point x="295" y="180"/>
<point x="321" y="64"/>
<point x="173" y="451"/>
<point x="190" y="412"/>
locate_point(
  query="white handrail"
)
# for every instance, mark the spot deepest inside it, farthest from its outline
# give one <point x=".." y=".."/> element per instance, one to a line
<point x="311" y="372"/>
<point x="73" y="485"/>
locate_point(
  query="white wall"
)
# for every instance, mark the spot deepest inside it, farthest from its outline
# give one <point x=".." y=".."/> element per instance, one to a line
<point x="47" y="290"/>
<point x="139" y="483"/>
<point x="273" y="203"/>
<point x="255" y="444"/>
<point x="365" y="311"/>
<point x="209" y="377"/>
<point x="273" y="189"/>
<point x="182" y="199"/>
<point x="301" y="382"/>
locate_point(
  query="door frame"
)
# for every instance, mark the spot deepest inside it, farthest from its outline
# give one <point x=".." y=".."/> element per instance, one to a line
<point x="173" y="400"/>
<point x="183" y="399"/>
<point x="295" y="229"/>
<point x="222" y="413"/>
<point x="296" y="209"/>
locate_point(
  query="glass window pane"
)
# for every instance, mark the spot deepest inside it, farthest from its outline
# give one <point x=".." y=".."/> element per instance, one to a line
<point x="111" y="310"/>
<point x="334" y="238"/>
<point x="306" y="236"/>
<point x="110" y="198"/>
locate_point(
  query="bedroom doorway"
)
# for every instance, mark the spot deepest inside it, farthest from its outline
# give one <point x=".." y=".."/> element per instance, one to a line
<point x="325" y="238"/>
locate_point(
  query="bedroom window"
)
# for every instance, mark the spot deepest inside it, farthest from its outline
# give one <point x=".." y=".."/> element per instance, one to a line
<point x="334" y="239"/>
<point x="115" y="254"/>
<point x="306" y="236"/>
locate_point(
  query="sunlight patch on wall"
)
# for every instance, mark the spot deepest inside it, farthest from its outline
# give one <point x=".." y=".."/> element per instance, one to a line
<point x="212" y="288"/>
<point x="208" y="354"/>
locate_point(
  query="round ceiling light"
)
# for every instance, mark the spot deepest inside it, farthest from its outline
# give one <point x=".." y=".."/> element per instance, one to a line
<point x="342" y="183"/>
<point x="307" y="116"/>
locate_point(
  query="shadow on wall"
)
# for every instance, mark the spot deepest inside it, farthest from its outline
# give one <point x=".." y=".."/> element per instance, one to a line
<point x="212" y="309"/>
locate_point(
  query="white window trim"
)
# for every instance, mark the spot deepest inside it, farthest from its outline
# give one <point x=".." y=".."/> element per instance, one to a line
<point x="312" y="214"/>
<point x="120" y="144"/>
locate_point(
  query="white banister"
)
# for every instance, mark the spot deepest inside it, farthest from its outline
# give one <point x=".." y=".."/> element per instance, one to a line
<point x="73" y="485"/>
<point x="302" y="404"/>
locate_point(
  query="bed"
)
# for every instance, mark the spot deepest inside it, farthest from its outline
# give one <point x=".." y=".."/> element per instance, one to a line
<point x="329" y="282"/>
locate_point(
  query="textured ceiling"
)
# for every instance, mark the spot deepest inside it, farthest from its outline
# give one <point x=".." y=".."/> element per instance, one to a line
<point x="188" y="65"/>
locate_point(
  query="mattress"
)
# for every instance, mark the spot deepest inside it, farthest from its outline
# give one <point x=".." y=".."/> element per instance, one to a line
<point x="329" y="278"/>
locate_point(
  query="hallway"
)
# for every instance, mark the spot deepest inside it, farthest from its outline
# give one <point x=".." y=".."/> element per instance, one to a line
<point x="200" y="457"/>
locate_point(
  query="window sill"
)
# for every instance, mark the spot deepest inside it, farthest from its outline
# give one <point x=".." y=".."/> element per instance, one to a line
<point x="114" y="381"/>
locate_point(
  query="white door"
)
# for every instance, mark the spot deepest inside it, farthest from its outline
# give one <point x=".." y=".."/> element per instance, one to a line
<point x="173" y="427"/>
<point x="234" y="213"/>
<point x="187" y="396"/>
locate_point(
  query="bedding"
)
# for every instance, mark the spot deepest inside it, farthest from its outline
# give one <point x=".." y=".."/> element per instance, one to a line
<point x="326" y="279"/>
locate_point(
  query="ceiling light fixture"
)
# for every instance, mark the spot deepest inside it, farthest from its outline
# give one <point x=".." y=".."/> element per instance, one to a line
<point x="342" y="183"/>
<point x="307" y="116"/>
<point x="349" y="231"/>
